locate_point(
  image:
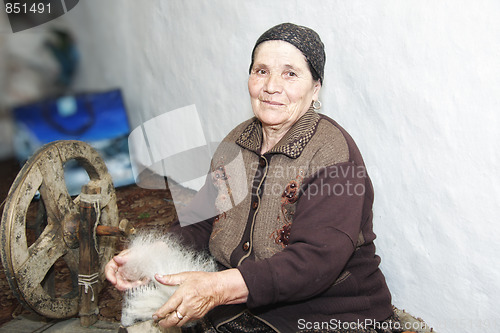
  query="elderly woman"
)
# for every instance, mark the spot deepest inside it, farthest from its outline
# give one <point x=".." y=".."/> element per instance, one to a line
<point x="296" y="253"/>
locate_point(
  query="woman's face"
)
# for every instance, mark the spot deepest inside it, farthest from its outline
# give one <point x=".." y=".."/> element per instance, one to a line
<point x="280" y="84"/>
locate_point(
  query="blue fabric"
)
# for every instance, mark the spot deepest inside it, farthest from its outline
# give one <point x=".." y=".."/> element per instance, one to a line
<point x="85" y="117"/>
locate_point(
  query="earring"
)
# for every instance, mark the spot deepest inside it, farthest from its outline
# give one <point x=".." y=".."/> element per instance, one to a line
<point x="316" y="105"/>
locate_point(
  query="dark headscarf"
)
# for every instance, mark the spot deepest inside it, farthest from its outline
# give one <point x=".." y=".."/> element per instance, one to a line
<point x="303" y="38"/>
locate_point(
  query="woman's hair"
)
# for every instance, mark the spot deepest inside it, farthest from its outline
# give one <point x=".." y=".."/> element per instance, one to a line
<point x="314" y="74"/>
<point x="304" y="39"/>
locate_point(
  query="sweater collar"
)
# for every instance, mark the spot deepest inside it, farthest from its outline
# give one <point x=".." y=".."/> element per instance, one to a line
<point x="291" y="144"/>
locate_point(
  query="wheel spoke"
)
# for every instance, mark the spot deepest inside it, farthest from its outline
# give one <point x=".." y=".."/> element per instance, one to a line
<point x="71" y="259"/>
<point x="56" y="198"/>
<point x="42" y="255"/>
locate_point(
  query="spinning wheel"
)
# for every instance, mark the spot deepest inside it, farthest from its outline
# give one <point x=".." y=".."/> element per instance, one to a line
<point x="67" y="231"/>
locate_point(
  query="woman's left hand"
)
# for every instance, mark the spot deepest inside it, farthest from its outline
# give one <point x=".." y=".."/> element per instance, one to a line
<point x="198" y="293"/>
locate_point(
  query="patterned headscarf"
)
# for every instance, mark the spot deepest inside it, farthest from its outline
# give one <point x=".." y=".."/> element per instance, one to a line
<point x="303" y="38"/>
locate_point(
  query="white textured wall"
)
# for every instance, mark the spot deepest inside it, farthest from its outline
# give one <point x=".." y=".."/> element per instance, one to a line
<point x="416" y="83"/>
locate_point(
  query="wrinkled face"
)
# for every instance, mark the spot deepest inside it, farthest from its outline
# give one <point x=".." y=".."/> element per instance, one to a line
<point x="280" y="84"/>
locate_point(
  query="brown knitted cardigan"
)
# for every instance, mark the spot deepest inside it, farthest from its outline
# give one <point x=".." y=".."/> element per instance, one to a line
<point x="296" y="222"/>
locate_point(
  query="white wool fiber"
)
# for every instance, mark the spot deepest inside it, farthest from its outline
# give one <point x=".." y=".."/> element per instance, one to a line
<point x="150" y="254"/>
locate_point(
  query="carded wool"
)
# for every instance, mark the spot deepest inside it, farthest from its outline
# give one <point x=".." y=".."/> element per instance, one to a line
<point x="150" y="254"/>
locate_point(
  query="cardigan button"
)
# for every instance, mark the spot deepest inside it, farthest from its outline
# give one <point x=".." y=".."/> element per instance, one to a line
<point x="262" y="162"/>
<point x="255" y="204"/>
<point x="246" y="246"/>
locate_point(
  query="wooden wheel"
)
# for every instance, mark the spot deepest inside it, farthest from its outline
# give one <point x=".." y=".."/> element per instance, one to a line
<point x="30" y="263"/>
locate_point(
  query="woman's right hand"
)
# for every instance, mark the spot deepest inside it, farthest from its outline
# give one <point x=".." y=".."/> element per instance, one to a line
<point x="115" y="273"/>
